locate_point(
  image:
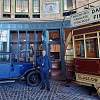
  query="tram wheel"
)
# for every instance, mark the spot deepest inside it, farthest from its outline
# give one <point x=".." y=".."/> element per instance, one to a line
<point x="32" y="79"/>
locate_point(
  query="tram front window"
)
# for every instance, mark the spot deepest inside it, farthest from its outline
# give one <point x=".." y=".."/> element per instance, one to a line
<point x="79" y="48"/>
<point x="92" y="48"/>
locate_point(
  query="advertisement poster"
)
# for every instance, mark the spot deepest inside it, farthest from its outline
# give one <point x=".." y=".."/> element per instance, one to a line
<point x="51" y="7"/>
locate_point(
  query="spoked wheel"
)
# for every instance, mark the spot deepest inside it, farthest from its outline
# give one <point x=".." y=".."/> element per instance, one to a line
<point x="33" y="79"/>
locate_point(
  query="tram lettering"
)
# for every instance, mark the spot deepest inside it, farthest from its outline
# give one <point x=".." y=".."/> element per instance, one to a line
<point x="97" y="16"/>
<point x="87" y="78"/>
<point x="96" y="10"/>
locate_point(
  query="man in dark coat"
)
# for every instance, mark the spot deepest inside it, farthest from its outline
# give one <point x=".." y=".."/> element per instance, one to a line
<point x="44" y="70"/>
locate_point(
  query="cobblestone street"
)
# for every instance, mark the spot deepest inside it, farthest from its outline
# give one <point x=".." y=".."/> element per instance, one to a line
<point x="21" y="91"/>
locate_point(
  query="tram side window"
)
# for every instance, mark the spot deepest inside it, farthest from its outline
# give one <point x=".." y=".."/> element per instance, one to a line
<point x="92" y="48"/>
<point x="79" y="48"/>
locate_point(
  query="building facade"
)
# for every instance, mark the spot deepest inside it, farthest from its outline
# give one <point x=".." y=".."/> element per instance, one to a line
<point x="28" y="25"/>
<point x="41" y="9"/>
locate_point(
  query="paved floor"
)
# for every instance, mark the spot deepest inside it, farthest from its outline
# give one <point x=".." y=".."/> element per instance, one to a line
<point x="21" y="91"/>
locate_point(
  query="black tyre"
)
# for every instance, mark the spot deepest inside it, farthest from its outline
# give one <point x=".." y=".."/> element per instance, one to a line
<point x="33" y="79"/>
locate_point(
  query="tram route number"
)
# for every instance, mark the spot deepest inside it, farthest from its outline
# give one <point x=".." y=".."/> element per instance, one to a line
<point x="87" y="78"/>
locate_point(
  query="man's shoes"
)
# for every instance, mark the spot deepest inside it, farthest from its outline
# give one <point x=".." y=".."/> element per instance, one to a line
<point x="42" y="88"/>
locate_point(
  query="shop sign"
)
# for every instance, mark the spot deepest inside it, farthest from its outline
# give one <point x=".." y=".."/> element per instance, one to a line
<point x="95" y="14"/>
<point x="86" y="17"/>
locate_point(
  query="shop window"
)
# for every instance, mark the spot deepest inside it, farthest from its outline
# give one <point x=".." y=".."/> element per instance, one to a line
<point x="79" y="48"/>
<point x="54" y="36"/>
<point x="36" y="6"/>
<point x="14" y="36"/>
<point x="39" y="36"/>
<point x="22" y="36"/>
<point x="14" y="45"/>
<point x="6" y="6"/>
<point x="92" y="48"/>
<point x="31" y="36"/>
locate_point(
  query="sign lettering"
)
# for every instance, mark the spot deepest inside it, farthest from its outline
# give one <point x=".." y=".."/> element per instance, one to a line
<point x="85" y="17"/>
<point x="87" y="78"/>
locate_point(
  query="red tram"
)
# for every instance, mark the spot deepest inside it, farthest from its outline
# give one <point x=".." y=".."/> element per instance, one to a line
<point x="86" y="48"/>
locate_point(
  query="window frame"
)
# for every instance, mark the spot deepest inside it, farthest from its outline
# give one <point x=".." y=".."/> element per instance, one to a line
<point x="87" y="38"/>
<point x="4" y="6"/>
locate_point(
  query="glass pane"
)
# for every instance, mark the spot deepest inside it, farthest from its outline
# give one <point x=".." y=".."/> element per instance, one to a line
<point x="79" y="48"/>
<point x="22" y="36"/>
<point x="92" y="48"/>
<point x="65" y="5"/>
<point x="39" y="36"/>
<point x="55" y="48"/>
<point x="4" y="41"/>
<point x="31" y="36"/>
<point x="54" y="36"/>
<point x="22" y="5"/>
<point x="4" y="58"/>
<point x="14" y="47"/>
<point x="6" y="5"/>
<point x="14" y="36"/>
<point x="36" y="6"/>
<point x="31" y="52"/>
<point x="22" y="56"/>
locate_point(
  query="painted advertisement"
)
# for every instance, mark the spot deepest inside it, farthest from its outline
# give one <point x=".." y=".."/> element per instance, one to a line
<point x="86" y="17"/>
<point x="51" y="7"/>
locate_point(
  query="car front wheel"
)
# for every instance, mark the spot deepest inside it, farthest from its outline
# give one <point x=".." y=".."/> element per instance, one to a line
<point x="32" y="79"/>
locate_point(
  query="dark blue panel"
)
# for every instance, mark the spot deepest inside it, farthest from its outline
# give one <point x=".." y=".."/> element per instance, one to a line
<point x="5" y="70"/>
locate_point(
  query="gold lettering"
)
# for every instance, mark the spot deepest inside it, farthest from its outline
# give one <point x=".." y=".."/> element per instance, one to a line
<point x="87" y="78"/>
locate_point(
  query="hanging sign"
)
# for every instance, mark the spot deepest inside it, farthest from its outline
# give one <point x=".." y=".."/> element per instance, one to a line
<point x="86" y="17"/>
